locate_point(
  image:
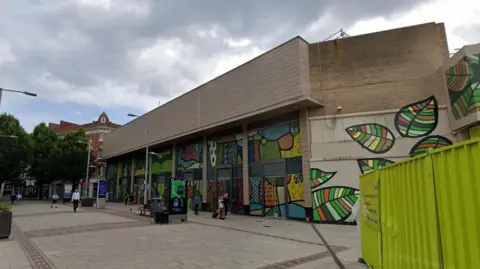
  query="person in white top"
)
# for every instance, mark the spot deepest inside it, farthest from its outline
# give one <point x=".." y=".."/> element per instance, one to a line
<point x="221" y="208"/>
<point x="75" y="199"/>
<point x="54" y="200"/>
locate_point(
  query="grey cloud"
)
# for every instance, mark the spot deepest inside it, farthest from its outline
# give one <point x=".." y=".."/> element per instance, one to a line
<point x="86" y="46"/>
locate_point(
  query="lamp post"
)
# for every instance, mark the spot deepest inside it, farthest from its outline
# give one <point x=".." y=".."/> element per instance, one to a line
<point x="15" y="91"/>
<point x="88" y="160"/>
<point x="145" y="182"/>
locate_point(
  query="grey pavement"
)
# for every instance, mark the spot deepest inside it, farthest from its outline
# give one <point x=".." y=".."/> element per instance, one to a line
<point x="119" y="238"/>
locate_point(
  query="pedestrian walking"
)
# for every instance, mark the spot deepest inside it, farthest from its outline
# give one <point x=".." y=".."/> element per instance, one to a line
<point x="226" y="204"/>
<point x="126" y="198"/>
<point x="75" y="199"/>
<point x="196" y="202"/>
<point x="221" y="208"/>
<point x="54" y="200"/>
<point x="12" y="198"/>
<point x="19" y="196"/>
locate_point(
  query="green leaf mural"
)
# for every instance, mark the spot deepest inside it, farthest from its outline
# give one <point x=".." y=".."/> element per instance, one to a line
<point x="429" y="142"/>
<point x="463" y="83"/>
<point x="467" y="102"/>
<point x="373" y="137"/>
<point x="319" y="177"/>
<point x="334" y="204"/>
<point x="417" y="119"/>
<point x="367" y="165"/>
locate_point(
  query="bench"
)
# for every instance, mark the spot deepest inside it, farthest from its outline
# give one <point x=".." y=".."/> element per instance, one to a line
<point x="144" y="209"/>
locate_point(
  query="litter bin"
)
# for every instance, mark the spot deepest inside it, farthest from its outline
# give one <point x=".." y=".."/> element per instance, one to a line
<point x="158" y="211"/>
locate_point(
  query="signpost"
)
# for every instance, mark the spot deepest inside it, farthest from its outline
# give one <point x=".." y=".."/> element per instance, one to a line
<point x="101" y="193"/>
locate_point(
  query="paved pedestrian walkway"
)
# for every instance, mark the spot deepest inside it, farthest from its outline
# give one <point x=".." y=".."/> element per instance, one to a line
<point x="117" y="238"/>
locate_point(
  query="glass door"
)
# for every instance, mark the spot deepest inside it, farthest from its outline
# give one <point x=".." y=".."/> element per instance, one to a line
<point x="224" y="178"/>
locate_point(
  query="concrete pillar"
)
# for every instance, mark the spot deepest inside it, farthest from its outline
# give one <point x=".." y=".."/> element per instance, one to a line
<point x="246" y="199"/>
<point x="174" y="160"/>
<point x="149" y="178"/>
<point x="90" y="189"/>
<point x="119" y="173"/>
<point x="204" y="170"/>
<point x="304" y="125"/>
<point x="50" y="186"/>
<point x="132" y="174"/>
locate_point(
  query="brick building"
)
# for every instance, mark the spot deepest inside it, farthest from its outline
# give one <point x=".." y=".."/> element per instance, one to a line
<point x="288" y="133"/>
<point x="96" y="130"/>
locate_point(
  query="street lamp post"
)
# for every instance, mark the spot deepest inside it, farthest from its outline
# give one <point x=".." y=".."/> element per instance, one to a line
<point x="145" y="182"/>
<point x="15" y="91"/>
<point x="88" y="161"/>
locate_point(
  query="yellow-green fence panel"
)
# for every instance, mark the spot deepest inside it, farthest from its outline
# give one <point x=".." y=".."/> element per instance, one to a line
<point x="457" y="179"/>
<point x="409" y="231"/>
<point x="370" y="219"/>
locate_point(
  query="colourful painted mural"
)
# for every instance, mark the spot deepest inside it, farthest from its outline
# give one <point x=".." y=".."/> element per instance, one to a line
<point x="417" y="119"/>
<point x="373" y="137"/>
<point x="189" y="157"/>
<point x="276" y="196"/>
<point x="225" y="150"/>
<point x="463" y="82"/>
<point x="367" y="165"/>
<point x="429" y="142"/>
<point x="139" y="164"/>
<point x="162" y="162"/>
<point x="272" y="197"/>
<point x="333" y="203"/>
<point x="276" y="142"/>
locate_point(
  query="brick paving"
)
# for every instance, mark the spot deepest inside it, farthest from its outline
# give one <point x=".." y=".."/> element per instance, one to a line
<point x="118" y="238"/>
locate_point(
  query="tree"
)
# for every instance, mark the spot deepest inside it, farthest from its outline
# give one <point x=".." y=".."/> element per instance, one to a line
<point x="45" y="149"/>
<point x="15" y="153"/>
<point x="71" y="157"/>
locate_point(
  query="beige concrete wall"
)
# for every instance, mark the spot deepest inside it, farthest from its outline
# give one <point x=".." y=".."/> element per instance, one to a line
<point x="277" y="78"/>
<point x="379" y="71"/>
<point x="333" y="150"/>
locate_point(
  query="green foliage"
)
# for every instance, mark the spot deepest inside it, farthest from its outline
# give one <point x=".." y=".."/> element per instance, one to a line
<point x="71" y="157"/>
<point x="4" y="207"/>
<point x="45" y="144"/>
<point x="15" y="153"/>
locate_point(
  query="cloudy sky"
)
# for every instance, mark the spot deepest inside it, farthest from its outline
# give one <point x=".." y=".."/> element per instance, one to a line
<point x="83" y="57"/>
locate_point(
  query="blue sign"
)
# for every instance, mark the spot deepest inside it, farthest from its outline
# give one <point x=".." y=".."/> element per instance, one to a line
<point x="102" y="190"/>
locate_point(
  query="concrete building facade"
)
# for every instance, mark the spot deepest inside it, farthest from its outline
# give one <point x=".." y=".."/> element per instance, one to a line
<point x="288" y="133"/>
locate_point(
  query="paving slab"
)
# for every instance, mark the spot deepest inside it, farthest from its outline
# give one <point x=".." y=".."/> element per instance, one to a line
<point x="12" y="256"/>
<point x="40" y="222"/>
<point x="170" y="246"/>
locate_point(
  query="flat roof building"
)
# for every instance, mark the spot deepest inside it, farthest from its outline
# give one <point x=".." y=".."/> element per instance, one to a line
<point x="288" y="133"/>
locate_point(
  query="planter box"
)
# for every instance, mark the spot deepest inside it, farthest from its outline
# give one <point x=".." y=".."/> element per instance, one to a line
<point x="87" y="202"/>
<point x="5" y="224"/>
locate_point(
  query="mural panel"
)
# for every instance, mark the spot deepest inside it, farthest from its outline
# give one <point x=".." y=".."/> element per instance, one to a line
<point x="162" y="162"/>
<point x="414" y="124"/>
<point x="225" y="150"/>
<point x="189" y="157"/>
<point x="463" y="82"/>
<point x="281" y="195"/>
<point x="276" y="142"/>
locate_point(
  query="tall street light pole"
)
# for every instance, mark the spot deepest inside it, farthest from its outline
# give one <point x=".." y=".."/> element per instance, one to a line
<point x="15" y="91"/>
<point x="145" y="182"/>
<point x="88" y="160"/>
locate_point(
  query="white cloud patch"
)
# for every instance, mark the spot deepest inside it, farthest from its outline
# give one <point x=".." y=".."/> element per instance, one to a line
<point x="135" y="54"/>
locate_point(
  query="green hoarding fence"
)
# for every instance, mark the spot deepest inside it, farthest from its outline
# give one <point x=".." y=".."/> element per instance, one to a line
<point x="423" y="212"/>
